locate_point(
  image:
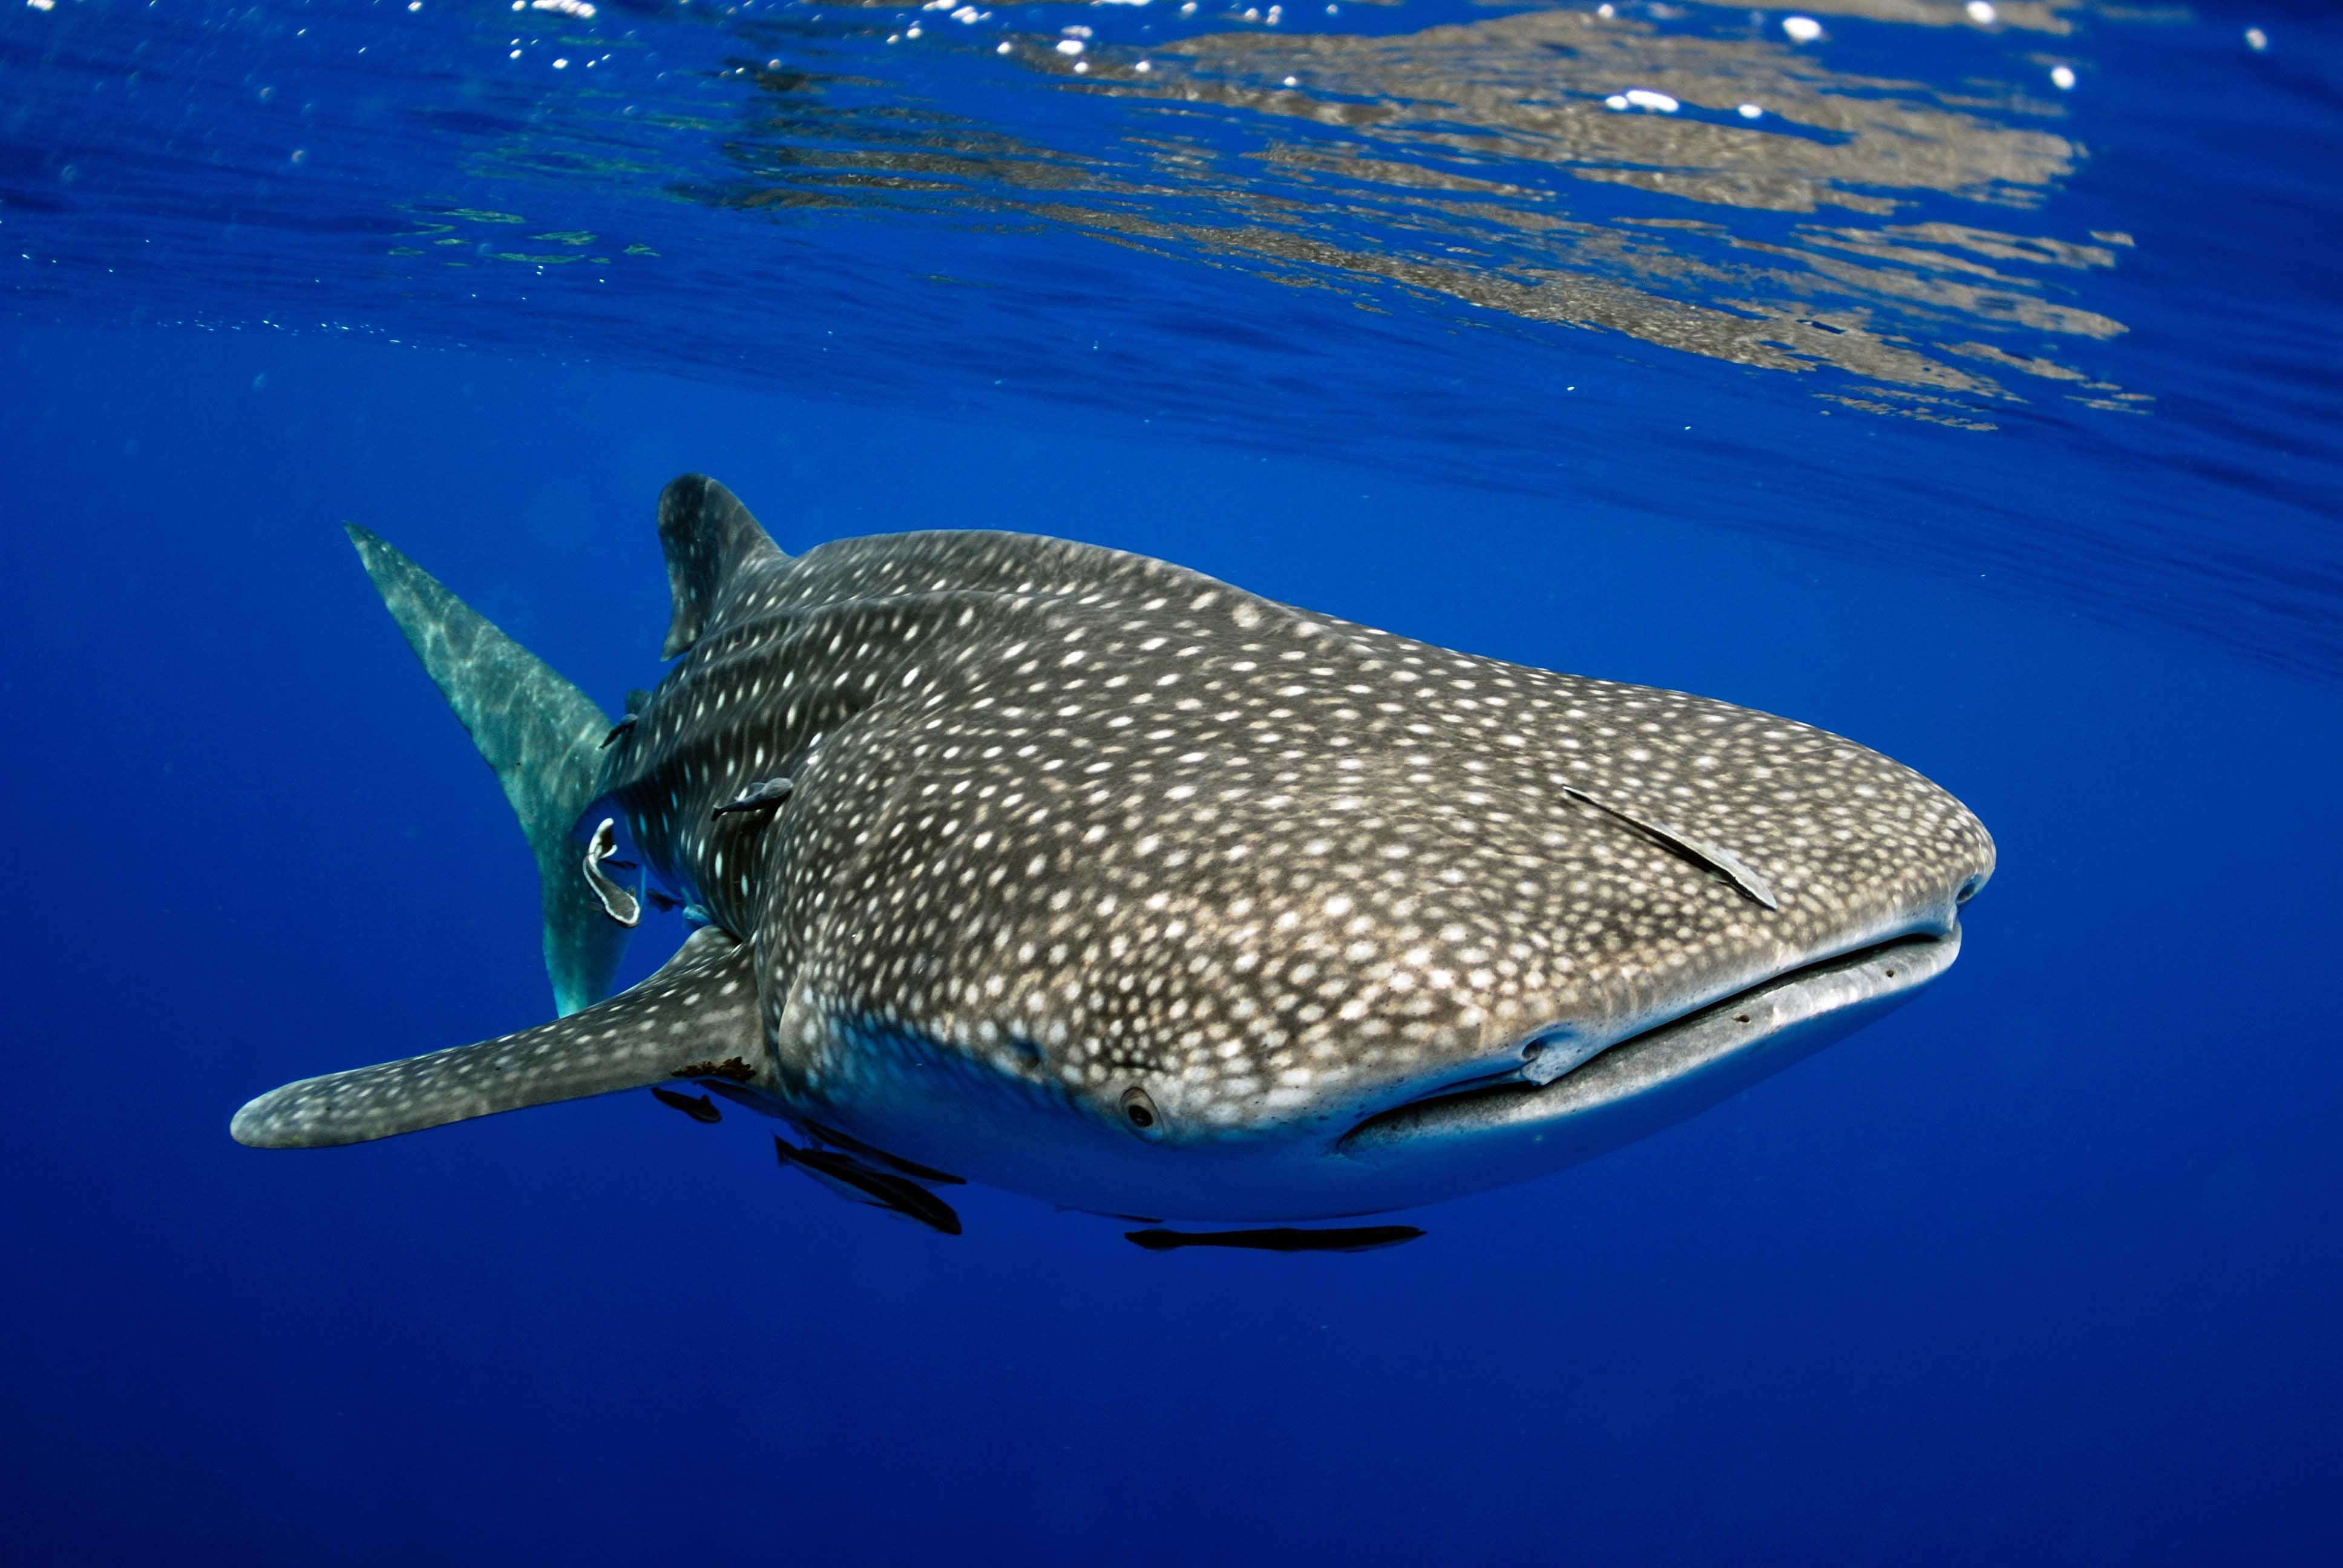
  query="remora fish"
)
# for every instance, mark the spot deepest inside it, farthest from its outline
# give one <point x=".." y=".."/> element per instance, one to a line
<point x="1090" y="877"/>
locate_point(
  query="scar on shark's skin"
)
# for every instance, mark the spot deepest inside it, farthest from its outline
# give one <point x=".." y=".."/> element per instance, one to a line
<point x="1708" y="857"/>
<point x="736" y="1069"/>
<point x="698" y="1107"/>
<point x="757" y="798"/>
<point x="1090" y="877"/>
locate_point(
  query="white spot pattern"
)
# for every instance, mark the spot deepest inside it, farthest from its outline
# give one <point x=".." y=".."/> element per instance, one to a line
<point x="1084" y="821"/>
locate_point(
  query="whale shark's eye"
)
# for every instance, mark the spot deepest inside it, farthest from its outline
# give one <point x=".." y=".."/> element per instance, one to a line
<point x="1140" y="1111"/>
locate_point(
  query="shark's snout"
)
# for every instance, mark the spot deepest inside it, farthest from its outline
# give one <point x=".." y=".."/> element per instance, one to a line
<point x="1651" y="1080"/>
<point x="1592" y="1082"/>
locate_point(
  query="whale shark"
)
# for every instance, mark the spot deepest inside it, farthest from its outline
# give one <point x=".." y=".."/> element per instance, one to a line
<point x="1007" y="858"/>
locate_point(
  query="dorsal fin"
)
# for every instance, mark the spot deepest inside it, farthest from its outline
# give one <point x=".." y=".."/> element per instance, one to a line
<point x="707" y="535"/>
<point x="700" y="1008"/>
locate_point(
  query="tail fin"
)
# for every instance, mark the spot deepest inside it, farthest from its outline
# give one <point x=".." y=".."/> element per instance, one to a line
<point x="540" y="735"/>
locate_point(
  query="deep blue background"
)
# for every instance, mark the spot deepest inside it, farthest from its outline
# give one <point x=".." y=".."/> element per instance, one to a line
<point x="2044" y="1267"/>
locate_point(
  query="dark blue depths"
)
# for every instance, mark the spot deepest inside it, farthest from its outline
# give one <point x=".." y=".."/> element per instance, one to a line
<point x="2043" y="1268"/>
<point x="2044" y="1265"/>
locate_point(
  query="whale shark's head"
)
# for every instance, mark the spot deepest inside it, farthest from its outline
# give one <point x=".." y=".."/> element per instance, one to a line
<point x="1296" y="919"/>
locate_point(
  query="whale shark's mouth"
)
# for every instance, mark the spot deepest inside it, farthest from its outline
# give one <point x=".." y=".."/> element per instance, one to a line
<point x="1674" y="1068"/>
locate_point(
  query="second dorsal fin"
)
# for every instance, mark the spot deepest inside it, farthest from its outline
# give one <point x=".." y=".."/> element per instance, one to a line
<point x="707" y="535"/>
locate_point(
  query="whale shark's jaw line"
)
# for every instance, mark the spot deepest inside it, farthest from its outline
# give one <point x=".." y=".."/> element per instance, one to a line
<point x="1452" y="1141"/>
<point x="1659" y="1076"/>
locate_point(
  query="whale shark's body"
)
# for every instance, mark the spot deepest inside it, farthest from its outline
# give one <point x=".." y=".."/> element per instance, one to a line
<point x="1085" y="875"/>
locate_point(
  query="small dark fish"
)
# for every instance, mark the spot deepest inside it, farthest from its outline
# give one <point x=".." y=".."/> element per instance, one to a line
<point x="736" y="1095"/>
<point x="700" y="1109"/>
<point x="618" y="729"/>
<point x="912" y="1169"/>
<point x="1282" y="1239"/>
<point x="857" y="1184"/>
<point x="660" y="902"/>
<point x="756" y="797"/>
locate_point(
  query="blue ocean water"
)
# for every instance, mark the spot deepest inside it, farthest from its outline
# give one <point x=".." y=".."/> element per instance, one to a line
<point x="1959" y="378"/>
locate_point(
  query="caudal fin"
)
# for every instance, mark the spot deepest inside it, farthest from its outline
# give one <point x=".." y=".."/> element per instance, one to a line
<point x="540" y="735"/>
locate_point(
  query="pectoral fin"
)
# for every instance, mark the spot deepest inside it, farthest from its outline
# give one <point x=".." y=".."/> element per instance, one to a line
<point x="701" y="1007"/>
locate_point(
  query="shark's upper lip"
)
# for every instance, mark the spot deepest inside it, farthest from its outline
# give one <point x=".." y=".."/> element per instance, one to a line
<point x="1720" y="1035"/>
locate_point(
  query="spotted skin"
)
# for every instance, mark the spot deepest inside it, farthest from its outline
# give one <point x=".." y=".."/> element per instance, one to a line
<point x="1067" y="824"/>
<point x="1076" y="821"/>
